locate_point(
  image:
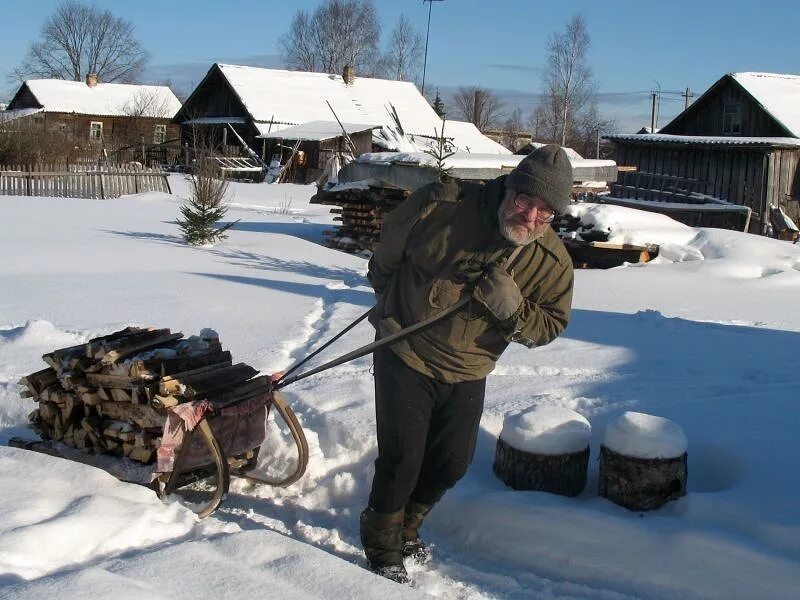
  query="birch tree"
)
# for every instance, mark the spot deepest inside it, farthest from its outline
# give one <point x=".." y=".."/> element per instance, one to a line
<point x="404" y="52"/>
<point x="568" y="79"/>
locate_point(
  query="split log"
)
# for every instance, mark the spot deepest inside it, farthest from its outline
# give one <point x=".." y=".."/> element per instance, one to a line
<point x="36" y="382"/>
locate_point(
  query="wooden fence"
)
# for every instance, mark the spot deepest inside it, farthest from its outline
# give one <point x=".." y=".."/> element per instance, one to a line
<point x="81" y="181"/>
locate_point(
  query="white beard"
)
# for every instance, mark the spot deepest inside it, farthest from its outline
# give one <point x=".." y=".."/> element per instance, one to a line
<point x="517" y="234"/>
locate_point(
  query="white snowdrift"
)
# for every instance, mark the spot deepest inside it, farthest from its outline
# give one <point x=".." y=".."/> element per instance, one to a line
<point x="706" y="336"/>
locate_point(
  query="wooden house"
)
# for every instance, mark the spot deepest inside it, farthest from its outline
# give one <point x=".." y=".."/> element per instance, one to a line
<point x="93" y="116"/>
<point x="240" y="110"/>
<point x="738" y="144"/>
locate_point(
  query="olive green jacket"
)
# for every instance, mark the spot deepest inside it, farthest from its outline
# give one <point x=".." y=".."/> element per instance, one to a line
<point x="433" y="248"/>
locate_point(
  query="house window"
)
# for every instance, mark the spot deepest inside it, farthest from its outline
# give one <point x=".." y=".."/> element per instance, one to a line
<point x="731" y="118"/>
<point x="160" y="135"/>
<point x="96" y="131"/>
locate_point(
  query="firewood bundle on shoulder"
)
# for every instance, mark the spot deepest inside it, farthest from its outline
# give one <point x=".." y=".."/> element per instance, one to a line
<point x="111" y="394"/>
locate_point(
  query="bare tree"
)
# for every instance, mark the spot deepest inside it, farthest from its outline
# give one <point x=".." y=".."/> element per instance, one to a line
<point x="478" y="106"/>
<point x="149" y="103"/>
<point x="567" y="78"/>
<point x="512" y="128"/>
<point x="338" y="33"/>
<point x="403" y="57"/>
<point x="588" y="130"/>
<point x="78" y="39"/>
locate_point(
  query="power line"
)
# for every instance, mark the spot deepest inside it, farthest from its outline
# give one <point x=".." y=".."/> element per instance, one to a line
<point x="427" y="35"/>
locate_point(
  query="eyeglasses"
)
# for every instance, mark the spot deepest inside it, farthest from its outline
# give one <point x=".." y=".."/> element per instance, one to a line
<point x="544" y="214"/>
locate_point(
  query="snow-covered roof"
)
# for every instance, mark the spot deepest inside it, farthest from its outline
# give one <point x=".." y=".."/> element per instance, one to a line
<point x="295" y="97"/>
<point x="468" y="138"/>
<point x="317" y="131"/>
<point x="664" y="138"/>
<point x="778" y="94"/>
<point x="17" y="113"/>
<point x="106" y="99"/>
<point x="464" y="160"/>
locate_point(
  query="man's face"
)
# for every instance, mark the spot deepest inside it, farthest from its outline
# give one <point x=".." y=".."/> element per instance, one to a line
<point x="523" y="218"/>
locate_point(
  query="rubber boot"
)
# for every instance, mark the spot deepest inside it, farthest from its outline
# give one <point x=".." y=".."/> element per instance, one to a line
<point x="413" y="546"/>
<point x="382" y="540"/>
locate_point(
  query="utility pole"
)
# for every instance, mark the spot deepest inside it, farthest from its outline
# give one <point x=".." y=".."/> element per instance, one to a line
<point x="427" y="35"/>
<point x="687" y="95"/>
<point x="653" y="113"/>
<point x="598" y="143"/>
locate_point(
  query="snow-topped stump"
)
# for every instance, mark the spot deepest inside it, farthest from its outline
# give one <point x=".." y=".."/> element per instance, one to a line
<point x="643" y="462"/>
<point x="544" y="449"/>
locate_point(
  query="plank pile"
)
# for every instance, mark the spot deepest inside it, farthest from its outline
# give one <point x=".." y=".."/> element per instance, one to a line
<point x="110" y="394"/>
<point x="361" y="211"/>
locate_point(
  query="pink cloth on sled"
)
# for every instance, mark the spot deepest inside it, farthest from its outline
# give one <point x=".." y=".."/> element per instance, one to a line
<point x="238" y="429"/>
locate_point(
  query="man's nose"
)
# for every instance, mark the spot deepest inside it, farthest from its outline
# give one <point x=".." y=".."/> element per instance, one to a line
<point x="530" y="214"/>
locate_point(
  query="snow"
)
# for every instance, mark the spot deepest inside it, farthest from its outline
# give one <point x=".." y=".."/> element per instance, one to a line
<point x="549" y="430"/>
<point x="317" y="131"/>
<point x="777" y="93"/>
<point x="106" y="99"/>
<point x="467" y="137"/>
<point x="705" y="336"/>
<point x="639" y="435"/>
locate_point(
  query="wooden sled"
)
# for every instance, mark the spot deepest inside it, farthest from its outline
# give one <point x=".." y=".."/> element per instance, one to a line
<point x="217" y="472"/>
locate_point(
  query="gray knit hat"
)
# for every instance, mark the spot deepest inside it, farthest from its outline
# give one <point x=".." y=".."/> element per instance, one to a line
<point x="547" y="173"/>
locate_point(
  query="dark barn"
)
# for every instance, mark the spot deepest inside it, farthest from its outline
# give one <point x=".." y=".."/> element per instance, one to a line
<point x="737" y="144"/>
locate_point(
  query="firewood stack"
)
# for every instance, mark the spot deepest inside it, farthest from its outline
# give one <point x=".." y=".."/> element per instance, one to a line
<point x="361" y="213"/>
<point x="110" y="395"/>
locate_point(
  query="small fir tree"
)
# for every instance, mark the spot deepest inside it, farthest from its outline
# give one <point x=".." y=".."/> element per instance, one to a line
<point x="438" y="105"/>
<point x="441" y="151"/>
<point x="205" y="208"/>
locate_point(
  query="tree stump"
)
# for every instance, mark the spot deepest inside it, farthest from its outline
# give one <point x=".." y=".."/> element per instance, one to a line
<point x="544" y="450"/>
<point x="643" y="462"/>
<point x="563" y="474"/>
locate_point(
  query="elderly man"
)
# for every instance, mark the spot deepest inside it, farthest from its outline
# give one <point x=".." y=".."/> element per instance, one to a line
<point x="450" y="239"/>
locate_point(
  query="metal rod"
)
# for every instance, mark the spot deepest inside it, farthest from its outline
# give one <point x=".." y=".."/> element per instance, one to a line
<point x="369" y="348"/>
<point x="297" y="365"/>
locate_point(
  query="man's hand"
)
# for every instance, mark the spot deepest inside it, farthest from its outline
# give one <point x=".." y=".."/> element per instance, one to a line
<point x="498" y="292"/>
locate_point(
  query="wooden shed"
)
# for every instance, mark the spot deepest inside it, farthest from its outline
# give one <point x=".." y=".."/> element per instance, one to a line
<point x="739" y="143"/>
<point x="131" y="122"/>
<point x="316" y="142"/>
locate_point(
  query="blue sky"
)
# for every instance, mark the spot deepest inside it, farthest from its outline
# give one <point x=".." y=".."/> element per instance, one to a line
<point x="500" y="44"/>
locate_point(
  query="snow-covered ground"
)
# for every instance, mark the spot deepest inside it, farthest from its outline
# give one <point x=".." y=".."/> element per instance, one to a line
<point x="706" y="336"/>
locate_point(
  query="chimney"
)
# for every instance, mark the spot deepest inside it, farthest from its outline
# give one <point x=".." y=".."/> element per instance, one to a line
<point x="91" y="79"/>
<point x="348" y="75"/>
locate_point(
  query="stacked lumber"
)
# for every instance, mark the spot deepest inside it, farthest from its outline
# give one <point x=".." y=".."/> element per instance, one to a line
<point x="360" y="211"/>
<point x="111" y="394"/>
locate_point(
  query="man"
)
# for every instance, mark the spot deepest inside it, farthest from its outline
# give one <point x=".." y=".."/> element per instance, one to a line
<point x="450" y="239"/>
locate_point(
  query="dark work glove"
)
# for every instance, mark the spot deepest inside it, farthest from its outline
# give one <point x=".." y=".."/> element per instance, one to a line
<point x="498" y="292"/>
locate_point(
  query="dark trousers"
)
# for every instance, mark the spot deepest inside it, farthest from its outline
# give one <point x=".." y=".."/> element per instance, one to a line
<point x="426" y="433"/>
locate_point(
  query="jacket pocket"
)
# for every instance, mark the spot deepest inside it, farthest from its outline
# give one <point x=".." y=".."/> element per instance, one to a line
<point x="444" y="293"/>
